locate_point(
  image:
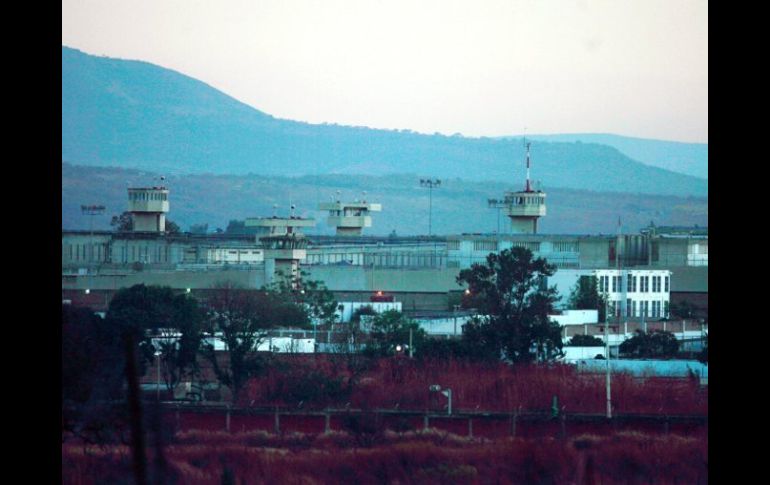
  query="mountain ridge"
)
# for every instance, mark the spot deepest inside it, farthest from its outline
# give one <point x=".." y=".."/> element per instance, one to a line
<point x="135" y="114"/>
<point x="676" y="156"/>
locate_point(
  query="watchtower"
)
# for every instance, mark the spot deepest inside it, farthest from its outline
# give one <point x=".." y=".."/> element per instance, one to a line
<point x="524" y="207"/>
<point x="349" y="217"/>
<point x="284" y="244"/>
<point x="148" y="207"/>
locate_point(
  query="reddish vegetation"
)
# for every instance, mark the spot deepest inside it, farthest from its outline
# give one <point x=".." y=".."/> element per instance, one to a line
<point x="319" y="382"/>
<point x="413" y="457"/>
<point x="370" y="450"/>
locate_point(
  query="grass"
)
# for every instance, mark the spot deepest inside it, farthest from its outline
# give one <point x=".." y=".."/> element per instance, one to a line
<point x="399" y="382"/>
<point x="413" y="457"/>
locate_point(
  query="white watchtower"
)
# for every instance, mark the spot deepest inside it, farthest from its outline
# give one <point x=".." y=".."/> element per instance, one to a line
<point x="148" y="207"/>
<point x="524" y="208"/>
<point x="284" y="244"/>
<point x="349" y="217"/>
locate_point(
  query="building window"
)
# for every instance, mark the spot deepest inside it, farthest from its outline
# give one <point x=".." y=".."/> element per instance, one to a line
<point x="564" y="247"/>
<point x="666" y="283"/>
<point x="485" y="245"/>
<point x="644" y="282"/>
<point x="604" y="284"/>
<point x="629" y="308"/>
<point x="633" y="308"/>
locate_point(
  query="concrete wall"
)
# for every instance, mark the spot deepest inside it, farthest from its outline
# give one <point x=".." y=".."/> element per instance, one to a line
<point x="594" y="253"/>
<point x="361" y="278"/>
<point x="80" y="250"/>
<point x="175" y="279"/>
<point x="572" y="354"/>
<point x="576" y="317"/>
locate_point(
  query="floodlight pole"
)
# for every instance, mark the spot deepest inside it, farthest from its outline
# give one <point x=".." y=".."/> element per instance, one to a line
<point x="91" y="210"/>
<point x="430" y="183"/>
<point x="158" y="353"/>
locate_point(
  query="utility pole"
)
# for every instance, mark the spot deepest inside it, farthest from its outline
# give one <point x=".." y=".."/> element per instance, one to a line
<point x="430" y="183"/>
<point x="617" y="310"/>
<point x="91" y="210"/>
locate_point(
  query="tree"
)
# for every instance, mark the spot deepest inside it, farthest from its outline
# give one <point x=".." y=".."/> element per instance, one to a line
<point x="310" y="296"/>
<point x="348" y="357"/>
<point x="179" y="352"/>
<point x="240" y="318"/>
<point x="657" y="344"/>
<point x="124" y="223"/>
<point x="320" y="301"/>
<point x="391" y="329"/>
<point x="585" y="341"/>
<point x="139" y="311"/>
<point x="236" y="227"/>
<point x="92" y="376"/>
<point x="585" y="296"/>
<point x="361" y="311"/>
<point x="514" y="304"/>
<point x="172" y="227"/>
<point x="703" y="355"/>
<point x="199" y="228"/>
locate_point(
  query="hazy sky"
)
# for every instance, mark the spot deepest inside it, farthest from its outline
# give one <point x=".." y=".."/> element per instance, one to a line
<point x="480" y="67"/>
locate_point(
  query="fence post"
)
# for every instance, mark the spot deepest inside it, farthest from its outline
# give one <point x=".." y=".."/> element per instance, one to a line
<point x="227" y="419"/>
<point x="327" y="423"/>
<point x="513" y="422"/>
<point x="563" y="425"/>
<point x="470" y="427"/>
<point x="277" y="422"/>
<point x="425" y="422"/>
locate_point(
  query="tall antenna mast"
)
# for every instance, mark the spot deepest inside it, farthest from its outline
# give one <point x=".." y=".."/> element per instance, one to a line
<point x="527" y="188"/>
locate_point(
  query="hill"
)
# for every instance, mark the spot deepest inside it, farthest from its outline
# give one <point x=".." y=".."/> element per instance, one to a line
<point x="133" y="114"/>
<point x="687" y="158"/>
<point x="458" y="206"/>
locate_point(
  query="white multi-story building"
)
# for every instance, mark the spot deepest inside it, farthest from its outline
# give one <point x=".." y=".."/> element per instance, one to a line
<point x="630" y="292"/>
<point x="636" y="293"/>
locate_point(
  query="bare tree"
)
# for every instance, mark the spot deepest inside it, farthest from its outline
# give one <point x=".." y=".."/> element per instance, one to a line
<point x="240" y="319"/>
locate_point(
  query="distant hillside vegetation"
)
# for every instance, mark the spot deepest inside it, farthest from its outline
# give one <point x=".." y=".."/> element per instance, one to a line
<point x="687" y="158"/>
<point x="134" y="114"/>
<point x="458" y="206"/>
